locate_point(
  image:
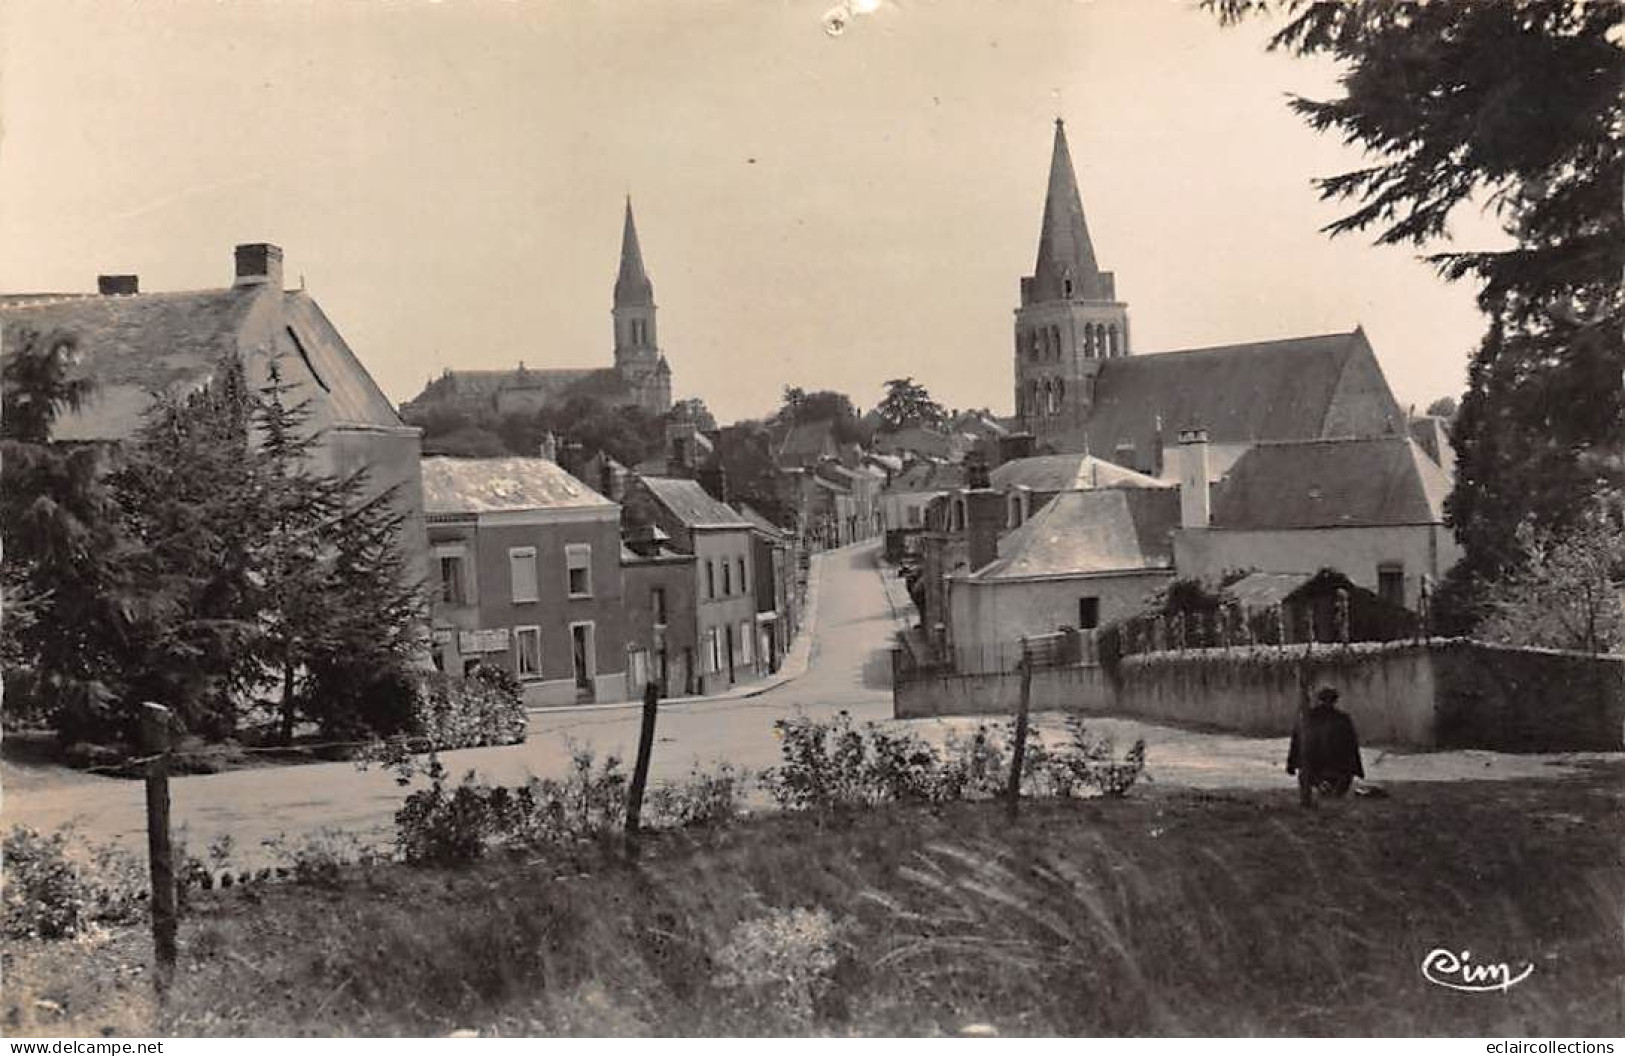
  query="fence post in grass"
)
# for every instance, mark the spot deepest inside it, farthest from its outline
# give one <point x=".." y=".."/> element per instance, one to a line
<point x="160" y="853"/>
<point x="640" y="769"/>
<point x="1018" y="750"/>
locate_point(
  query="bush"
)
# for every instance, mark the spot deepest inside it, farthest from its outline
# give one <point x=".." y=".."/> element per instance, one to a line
<point x="775" y="967"/>
<point x="704" y="800"/>
<point x="829" y="766"/>
<point x="435" y="825"/>
<point x="485" y="708"/>
<point x="59" y="888"/>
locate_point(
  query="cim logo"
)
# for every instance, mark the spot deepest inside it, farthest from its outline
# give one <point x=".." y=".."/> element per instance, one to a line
<point x="1455" y="971"/>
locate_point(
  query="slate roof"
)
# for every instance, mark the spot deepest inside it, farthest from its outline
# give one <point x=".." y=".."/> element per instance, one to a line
<point x="691" y="504"/>
<point x="920" y="440"/>
<point x="1048" y="473"/>
<point x="1293" y="389"/>
<point x="485" y="485"/>
<point x="807" y="440"/>
<point x="1099" y="531"/>
<point x="135" y="345"/>
<point x="926" y="475"/>
<point x="1332" y="484"/>
<point x="1261" y="590"/>
<point x="759" y="522"/>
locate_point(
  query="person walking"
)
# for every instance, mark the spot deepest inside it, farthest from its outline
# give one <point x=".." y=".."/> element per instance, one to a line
<point x="1325" y="751"/>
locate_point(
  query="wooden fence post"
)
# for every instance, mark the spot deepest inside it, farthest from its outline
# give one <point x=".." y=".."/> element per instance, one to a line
<point x="160" y="853"/>
<point x="1018" y="750"/>
<point x="640" y="769"/>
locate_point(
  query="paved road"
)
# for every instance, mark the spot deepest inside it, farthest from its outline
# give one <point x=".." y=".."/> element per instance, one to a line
<point x="849" y="669"/>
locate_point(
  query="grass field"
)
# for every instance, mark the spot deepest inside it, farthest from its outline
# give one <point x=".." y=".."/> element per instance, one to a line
<point x="1165" y="913"/>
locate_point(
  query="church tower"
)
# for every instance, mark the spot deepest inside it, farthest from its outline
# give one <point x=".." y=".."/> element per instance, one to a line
<point x="1070" y="320"/>
<point x="638" y="359"/>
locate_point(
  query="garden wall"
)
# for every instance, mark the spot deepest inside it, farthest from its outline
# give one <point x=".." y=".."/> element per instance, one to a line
<point x="1438" y="694"/>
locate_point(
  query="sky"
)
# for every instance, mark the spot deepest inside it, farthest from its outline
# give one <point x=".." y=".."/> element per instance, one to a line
<point x="826" y="211"/>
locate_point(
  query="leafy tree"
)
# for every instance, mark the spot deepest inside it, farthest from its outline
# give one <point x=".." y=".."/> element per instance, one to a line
<point x="801" y="407"/>
<point x="67" y="602"/>
<point x="745" y="453"/>
<point x="694" y="410"/>
<point x="626" y="433"/>
<point x="471" y="441"/>
<point x="1443" y="407"/>
<point x="1514" y="105"/>
<point x="1565" y="596"/>
<point x="908" y="403"/>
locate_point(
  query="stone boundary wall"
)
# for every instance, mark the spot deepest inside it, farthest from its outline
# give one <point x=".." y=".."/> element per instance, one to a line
<point x="1444" y="693"/>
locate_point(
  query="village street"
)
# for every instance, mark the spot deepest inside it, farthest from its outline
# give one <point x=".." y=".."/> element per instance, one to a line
<point x="849" y="670"/>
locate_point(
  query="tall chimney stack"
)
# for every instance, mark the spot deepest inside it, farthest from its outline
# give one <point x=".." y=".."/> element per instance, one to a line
<point x="118" y="285"/>
<point x="1194" y="501"/>
<point x="259" y="264"/>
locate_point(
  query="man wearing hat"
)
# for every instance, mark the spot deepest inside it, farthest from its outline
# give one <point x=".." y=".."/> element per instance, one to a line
<point x="1325" y="752"/>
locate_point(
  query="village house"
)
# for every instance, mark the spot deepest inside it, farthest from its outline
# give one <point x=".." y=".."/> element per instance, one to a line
<point x="1083" y="559"/>
<point x="662" y="612"/>
<point x="1372" y="509"/>
<point x="133" y="344"/>
<point x="527" y="578"/>
<point x="720" y="541"/>
<point x="778" y="610"/>
<point x="904" y="499"/>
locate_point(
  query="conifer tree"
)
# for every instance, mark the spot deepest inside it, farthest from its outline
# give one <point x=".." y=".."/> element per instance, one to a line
<point x="67" y="605"/>
<point x="188" y="495"/>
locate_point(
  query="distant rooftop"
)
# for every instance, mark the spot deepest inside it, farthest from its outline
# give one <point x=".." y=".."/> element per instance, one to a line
<point x="484" y="485"/>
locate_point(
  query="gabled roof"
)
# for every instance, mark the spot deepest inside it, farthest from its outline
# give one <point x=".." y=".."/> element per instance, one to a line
<point x="1299" y="388"/>
<point x="1047" y="473"/>
<point x="691" y="504"/>
<point x="920" y="440"/>
<point x="927" y="475"/>
<point x="135" y="345"/>
<point x="759" y="522"/>
<point x="807" y="440"/>
<point x="1092" y="532"/>
<point x="1332" y="484"/>
<point x="1261" y="590"/>
<point x="486" y="485"/>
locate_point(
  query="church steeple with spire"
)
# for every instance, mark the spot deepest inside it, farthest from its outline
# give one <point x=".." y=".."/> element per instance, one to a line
<point x="1070" y="319"/>
<point x="638" y="359"/>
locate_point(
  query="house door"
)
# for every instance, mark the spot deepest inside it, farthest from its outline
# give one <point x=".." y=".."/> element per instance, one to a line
<point x="663" y="673"/>
<point x="728" y="636"/>
<point x="582" y="654"/>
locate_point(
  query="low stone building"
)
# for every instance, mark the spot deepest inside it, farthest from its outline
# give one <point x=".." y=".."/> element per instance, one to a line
<point x="527" y="578"/>
<point x="1083" y="559"/>
<point x="662" y="613"/>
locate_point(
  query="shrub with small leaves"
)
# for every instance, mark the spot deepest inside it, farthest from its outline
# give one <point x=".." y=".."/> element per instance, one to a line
<point x="705" y="799"/>
<point x="775" y="967"/>
<point x="57" y="887"/>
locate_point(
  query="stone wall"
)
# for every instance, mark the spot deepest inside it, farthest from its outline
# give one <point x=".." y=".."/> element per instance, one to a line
<point x="1438" y="694"/>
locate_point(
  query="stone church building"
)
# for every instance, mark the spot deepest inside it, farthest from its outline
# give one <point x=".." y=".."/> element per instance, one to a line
<point x="1079" y="387"/>
<point x="640" y="375"/>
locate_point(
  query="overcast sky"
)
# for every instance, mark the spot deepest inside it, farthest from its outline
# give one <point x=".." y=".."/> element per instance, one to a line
<point x="447" y="180"/>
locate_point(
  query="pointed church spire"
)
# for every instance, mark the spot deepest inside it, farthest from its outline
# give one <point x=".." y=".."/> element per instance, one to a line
<point x="632" y="285"/>
<point x="1066" y="267"/>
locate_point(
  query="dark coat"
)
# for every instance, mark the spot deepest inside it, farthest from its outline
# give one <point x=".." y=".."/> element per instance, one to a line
<point x="1324" y="745"/>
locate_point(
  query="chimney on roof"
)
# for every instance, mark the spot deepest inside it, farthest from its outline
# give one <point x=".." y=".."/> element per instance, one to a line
<point x="715" y="482"/>
<point x="118" y="285"/>
<point x="1194" y="502"/>
<point x="549" y="447"/>
<point x="259" y="264"/>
